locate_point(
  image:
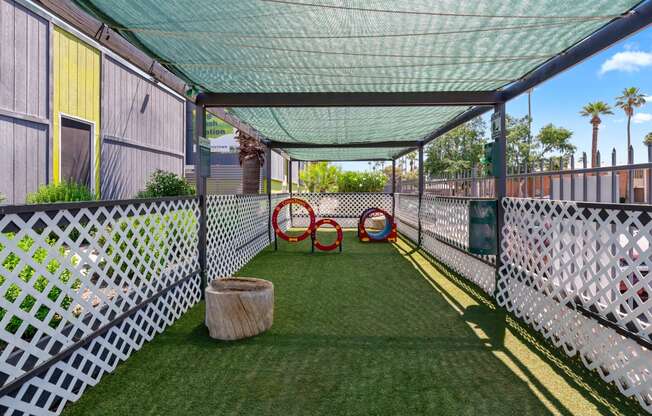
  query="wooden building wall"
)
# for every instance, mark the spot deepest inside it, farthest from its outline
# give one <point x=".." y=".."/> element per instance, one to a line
<point x="24" y="102"/>
<point x="142" y="130"/>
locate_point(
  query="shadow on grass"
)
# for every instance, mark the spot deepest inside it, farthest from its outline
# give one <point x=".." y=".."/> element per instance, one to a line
<point x="495" y="321"/>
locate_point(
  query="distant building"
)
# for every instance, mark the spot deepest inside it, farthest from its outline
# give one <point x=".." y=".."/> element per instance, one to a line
<point x="226" y="172"/>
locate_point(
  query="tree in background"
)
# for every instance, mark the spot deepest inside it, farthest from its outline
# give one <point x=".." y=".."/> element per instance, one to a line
<point x="458" y="150"/>
<point x="553" y="139"/>
<point x="648" y="139"/>
<point x="320" y="177"/>
<point x="523" y="151"/>
<point x="631" y="99"/>
<point x="252" y="157"/>
<point x="595" y="110"/>
<point x="520" y="150"/>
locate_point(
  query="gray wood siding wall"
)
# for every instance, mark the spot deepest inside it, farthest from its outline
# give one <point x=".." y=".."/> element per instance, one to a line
<point x="142" y="130"/>
<point x="24" y="101"/>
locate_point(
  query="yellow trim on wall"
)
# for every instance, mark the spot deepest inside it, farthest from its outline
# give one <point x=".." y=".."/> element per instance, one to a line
<point x="76" y="94"/>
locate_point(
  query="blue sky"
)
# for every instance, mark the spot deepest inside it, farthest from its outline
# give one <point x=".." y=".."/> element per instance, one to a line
<point x="603" y="77"/>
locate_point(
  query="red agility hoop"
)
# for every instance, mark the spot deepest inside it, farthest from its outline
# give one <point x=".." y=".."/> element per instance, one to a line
<point x="280" y="232"/>
<point x="338" y="241"/>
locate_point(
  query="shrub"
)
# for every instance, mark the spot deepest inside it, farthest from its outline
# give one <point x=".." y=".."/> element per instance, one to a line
<point x="320" y="177"/>
<point x="163" y="183"/>
<point x="65" y="191"/>
<point x="361" y="182"/>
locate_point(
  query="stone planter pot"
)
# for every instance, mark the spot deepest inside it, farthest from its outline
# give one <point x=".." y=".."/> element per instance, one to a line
<point x="238" y="308"/>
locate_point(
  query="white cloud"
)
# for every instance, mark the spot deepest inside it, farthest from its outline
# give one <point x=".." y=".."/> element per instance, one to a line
<point x="628" y="61"/>
<point x="641" y="118"/>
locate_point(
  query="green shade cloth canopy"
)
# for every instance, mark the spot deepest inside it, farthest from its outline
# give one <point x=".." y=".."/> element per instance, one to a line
<point x="344" y="154"/>
<point x="265" y="46"/>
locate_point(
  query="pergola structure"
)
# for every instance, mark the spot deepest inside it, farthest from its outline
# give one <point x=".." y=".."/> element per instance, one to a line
<point x="329" y="80"/>
<point x="343" y="80"/>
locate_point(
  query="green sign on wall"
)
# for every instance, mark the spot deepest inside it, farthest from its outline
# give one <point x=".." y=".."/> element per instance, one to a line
<point x="482" y="227"/>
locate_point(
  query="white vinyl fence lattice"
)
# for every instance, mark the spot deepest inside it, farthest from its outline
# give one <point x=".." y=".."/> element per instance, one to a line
<point x="237" y="230"/>
<point x="445" y="234"/>
<point x="345" y="208"/>
<point x="84" y="286"/>
<point x="579" y="274"/>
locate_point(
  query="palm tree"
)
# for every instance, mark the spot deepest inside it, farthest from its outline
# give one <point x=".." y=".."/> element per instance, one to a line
<point x="648" y="139"/>
<point x="412" y="158"/>
<point x="252" y="157"/>
<point x="631" y="98"/>
<point x="594" y="110"/>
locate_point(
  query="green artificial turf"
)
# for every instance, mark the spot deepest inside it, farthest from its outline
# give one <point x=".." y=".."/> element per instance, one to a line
<point x="357" y="333"/>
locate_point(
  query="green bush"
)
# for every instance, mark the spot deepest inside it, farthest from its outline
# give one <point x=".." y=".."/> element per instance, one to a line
<point x="65" y="191"/>
<point x="320" y="177"/>
<point x="361" y="182"/>
<point x="163" y="183"/>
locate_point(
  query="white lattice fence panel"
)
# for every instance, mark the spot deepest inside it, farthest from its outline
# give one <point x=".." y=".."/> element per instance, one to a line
<point x="568" y="264"/>
<point x="345" y="208"/>
<point x="445" y="235"/>
<point x="407" y="215"/>
<point x="470" y="267"/>
<point x="237" y="230"/>
<point x="446" y="219"/>
<point x="284" y="216"/>
<point x="90" y="283"/>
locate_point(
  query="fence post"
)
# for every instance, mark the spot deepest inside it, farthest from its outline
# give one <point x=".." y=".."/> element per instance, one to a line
<point x="268" y="180"/>
<point x="200" y="182"/>
<point x="614" y="178"/>
<point x="394" y="188"/>
<point x="561" y="178"/>
<point x="598" y="180"/>
<point x="542" y="178"/>
<point x="572" y="178"/>
<point x="420" y="187"/>
<point x="584" y="181"/>
<point x="289" y="188"/>
<point x="501" y="183"/>
<point x="649" y="174"/>
<point x="630" y="175"/>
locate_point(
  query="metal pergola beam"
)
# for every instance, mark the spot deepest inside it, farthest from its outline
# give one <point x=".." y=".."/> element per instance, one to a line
<point x="366" y="145"/>
<point x="350" y="99"/>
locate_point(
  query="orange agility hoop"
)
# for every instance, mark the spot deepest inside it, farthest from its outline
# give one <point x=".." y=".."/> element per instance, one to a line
<point x="280" y="232"/>
<point x="328" y="247"/>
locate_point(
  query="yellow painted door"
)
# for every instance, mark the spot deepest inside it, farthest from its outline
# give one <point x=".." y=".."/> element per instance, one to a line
<point x="76" y="95"/>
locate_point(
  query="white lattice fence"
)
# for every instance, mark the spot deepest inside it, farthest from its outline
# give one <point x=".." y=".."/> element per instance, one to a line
<point x="284" y="216"/>
<point x="83" y="287"/>
<point x="445" y="235"/>
<point x="345" y="208"/>
<point x="407" y="215"/>
<point x="578" y="273"/>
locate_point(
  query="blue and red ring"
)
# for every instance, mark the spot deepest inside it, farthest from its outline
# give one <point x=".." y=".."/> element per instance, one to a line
<point x="380" y="235"/>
